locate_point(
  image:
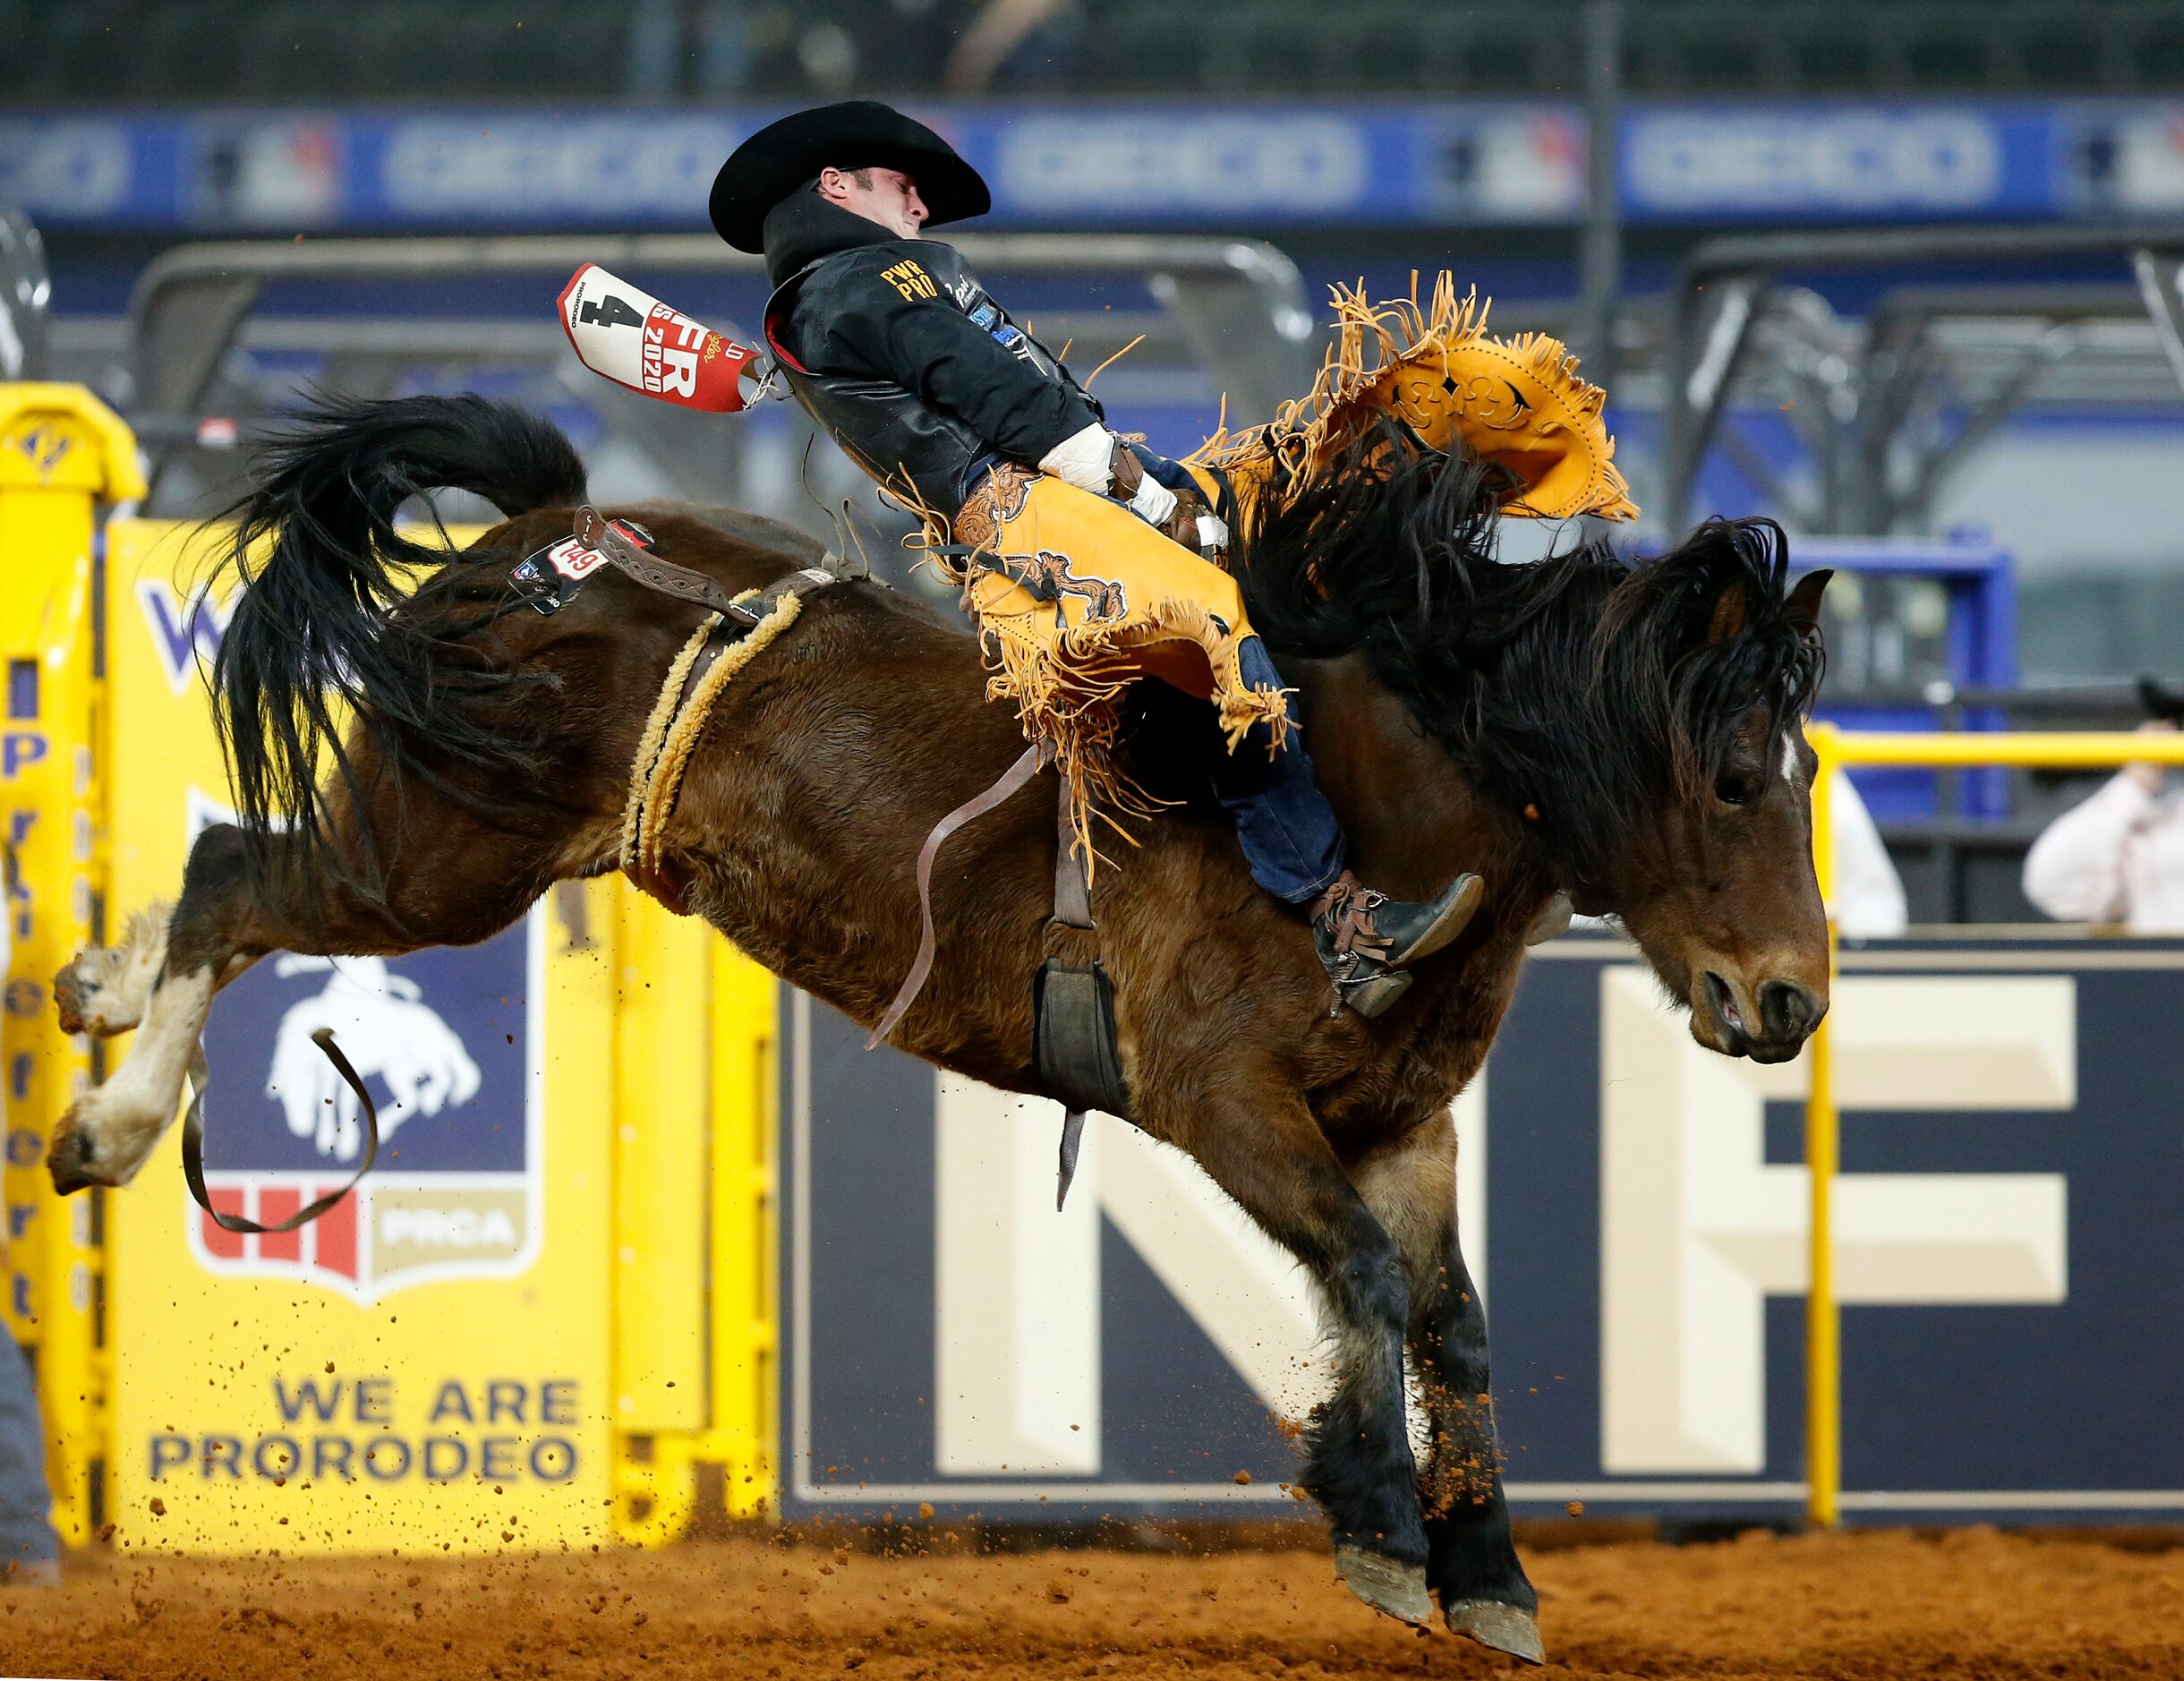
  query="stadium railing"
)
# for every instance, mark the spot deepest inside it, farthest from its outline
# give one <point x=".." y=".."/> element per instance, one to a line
<point x="1839" y="749"/>
<point x="1239" y="303"/>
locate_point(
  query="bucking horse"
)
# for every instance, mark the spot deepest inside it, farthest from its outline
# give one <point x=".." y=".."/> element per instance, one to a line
<point x="418" y="757"/>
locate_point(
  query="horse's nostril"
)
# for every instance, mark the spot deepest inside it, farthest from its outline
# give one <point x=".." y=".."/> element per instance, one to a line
<point x="1723" y="997"/>
<point x="1786" y="1010"/>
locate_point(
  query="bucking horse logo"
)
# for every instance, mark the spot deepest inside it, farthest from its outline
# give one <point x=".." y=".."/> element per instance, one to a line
<point x="381" y="1019"/>
<point x="448" y="1043"/>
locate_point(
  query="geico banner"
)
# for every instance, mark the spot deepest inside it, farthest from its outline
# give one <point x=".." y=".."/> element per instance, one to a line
<point x="1125" y="163"/>
<point x="427" y="1365"/>
<point x="1635" y="1208"/>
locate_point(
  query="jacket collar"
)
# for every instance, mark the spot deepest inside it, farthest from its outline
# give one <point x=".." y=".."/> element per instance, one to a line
<point x="804" y="227"/>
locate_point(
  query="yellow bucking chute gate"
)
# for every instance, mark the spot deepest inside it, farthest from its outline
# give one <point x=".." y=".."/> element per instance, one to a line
<point x="548" y="1309"/>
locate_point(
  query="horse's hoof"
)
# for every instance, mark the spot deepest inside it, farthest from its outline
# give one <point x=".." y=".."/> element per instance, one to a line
<point x="1503" y="1627"/>
<point x="73" y="987"/>
<point x="68" y="1158"/>
<point x="1386" y="1585"/>
<point x="87" y="995"/>
<point x="104" y="989"/>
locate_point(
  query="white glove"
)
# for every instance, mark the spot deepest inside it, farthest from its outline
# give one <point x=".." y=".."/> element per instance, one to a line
<point x="1085" y="459"/>
<point x="1154" y="500"/>
<point x="1213" y="533"/>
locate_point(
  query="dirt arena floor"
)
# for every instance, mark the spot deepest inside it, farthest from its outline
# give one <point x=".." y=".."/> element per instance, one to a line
<point x="1971" y="1604"/>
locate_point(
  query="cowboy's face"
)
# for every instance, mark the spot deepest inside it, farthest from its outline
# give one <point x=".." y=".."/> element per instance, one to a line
<point x="891" y="199"/>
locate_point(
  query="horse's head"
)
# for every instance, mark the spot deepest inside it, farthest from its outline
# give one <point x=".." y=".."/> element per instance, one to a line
<point x="1707" y="667"/>
<point x="1640" y="725"/>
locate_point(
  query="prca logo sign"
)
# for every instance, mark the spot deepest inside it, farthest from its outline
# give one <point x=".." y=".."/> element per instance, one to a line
<point x="448" y="1042"/>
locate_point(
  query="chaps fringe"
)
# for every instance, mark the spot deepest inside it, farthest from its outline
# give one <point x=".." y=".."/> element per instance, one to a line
<point x="1066" y="680"/>
<point x="1374" y="369"/>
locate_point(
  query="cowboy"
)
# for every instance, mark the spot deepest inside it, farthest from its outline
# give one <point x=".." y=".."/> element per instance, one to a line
<point x="894" y="347"/>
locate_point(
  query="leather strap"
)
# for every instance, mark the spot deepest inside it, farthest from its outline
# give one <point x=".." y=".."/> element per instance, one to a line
<point x="1073" y="910"/>
<point x="596" y="532"/>
<point x="1072" y="888"/>
<point x="1025" y="767"/>
<point x="1072" y="1140"/>
<point x="193" y="1142"/>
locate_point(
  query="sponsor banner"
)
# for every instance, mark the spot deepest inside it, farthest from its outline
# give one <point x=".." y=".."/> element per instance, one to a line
<point x="2127" y="160"/>
<point x="1246" y="166"/>
<point x="1120" y="164"/>
<point x="1851" y="163"/>
<point x="429" y="1364"/>
<point x="1087" y="166"/>
<point x="456" y="1192"/>
<point x="1634" y="1212"/>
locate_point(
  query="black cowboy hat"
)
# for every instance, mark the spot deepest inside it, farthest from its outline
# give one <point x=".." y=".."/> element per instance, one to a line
<point x="856" y="134"/>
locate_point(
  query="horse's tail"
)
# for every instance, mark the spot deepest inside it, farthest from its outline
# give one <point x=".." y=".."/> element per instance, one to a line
<point x="318" y="632"/>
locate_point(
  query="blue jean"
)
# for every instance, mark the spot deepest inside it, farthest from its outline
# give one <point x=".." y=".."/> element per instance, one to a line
<point x="26" y="1508"/>
<point x="1289" y="834"/>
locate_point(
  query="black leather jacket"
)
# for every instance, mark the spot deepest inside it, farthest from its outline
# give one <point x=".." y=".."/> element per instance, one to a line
<point x="894" y="348"/>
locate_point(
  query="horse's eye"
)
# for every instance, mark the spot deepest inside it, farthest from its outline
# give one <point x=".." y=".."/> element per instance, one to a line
<point x="1736" y="789"/>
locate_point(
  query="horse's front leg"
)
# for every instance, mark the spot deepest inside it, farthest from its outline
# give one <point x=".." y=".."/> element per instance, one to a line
<point x="1260" y="1144"/>
<point x="1471" y="1560"/>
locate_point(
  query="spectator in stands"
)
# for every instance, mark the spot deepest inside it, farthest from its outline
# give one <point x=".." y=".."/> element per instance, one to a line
<point x="2119" y="857"/>
<point x="29" y="1552"/>
<point x="1869" y="901"/>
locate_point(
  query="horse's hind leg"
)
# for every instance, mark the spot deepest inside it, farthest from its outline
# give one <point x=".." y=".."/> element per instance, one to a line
<point x="1471" y="1559"/>
<point x="468" y="885"/>
<point x="1263" y="1147"/>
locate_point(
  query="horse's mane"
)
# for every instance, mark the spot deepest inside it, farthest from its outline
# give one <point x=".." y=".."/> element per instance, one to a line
<point x="1587" y="688"/>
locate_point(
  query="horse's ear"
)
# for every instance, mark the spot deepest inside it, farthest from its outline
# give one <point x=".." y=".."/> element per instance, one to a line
<point x="1728" y="615"/>
<point x="1803" y="606"/>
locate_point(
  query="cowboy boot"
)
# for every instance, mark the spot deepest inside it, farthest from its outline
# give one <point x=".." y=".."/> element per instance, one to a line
<point x="1367" y="939"/>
